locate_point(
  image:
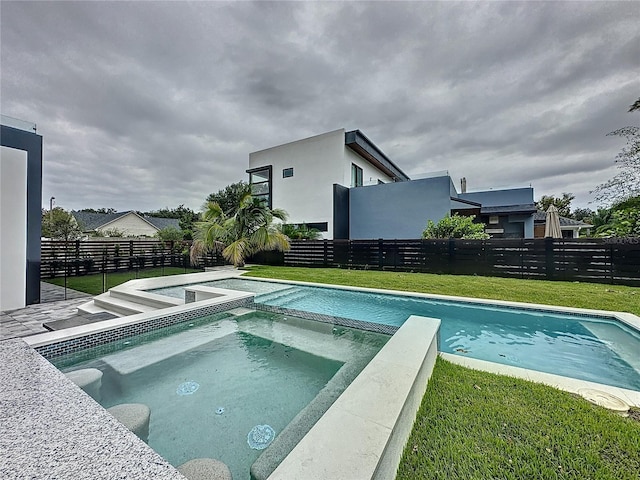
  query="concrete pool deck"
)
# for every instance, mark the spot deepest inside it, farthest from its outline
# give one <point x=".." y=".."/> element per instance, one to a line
<point x="48" y="424"/>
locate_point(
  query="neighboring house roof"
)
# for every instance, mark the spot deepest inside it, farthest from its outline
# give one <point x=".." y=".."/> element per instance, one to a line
<point x="509" y="209"/>
<point x="359" y="143"/>
<point x="90" y="222"/>
<point x="541" y="217"/>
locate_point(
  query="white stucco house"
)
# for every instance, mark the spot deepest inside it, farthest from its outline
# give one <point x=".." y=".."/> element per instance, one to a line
<point x="301" y="176"/>
<point x="129" y="224"/>
<point x="343" y="185"/>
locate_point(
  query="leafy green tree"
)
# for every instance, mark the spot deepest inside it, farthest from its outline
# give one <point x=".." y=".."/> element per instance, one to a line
<point x="186" y="217"/>
<point x="60" y="225"/>
<point x="169" y="234"/>
<point x="622" y="220"/>
<point x="300" y="232"/>
<point x="239" y="236"/>
<point x="455" y="226"/>
<point x="229" y="197"/>
<point x="583" y="214"/>
<point x="626" y="184"/>
<point x="563" y="204"/>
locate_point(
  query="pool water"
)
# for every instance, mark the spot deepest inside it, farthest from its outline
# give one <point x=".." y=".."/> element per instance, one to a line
<point x="596" y="349"/>
<point x="222" y="387"/>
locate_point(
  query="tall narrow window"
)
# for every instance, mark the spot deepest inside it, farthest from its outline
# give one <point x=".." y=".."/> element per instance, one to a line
<point x="356" y="175"/>
<point x="260" y="181"/>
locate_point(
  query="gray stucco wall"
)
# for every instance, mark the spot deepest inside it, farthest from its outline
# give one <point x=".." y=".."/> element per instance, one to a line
<point x="494" y="198"/>
<point x="398" y="210"/>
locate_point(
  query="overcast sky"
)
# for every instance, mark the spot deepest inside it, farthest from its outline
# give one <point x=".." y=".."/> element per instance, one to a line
<point x="145" y="105"/>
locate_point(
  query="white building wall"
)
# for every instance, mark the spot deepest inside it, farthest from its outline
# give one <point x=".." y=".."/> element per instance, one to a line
<point x="318" y="162"/>
<point x="131" y="225"/>
<point x="13" y="228"/>
<point x="370" y="174"/>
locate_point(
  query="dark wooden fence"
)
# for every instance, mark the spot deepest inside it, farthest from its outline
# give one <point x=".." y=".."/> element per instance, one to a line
<point x="615" y="261"/>
<point x="108" y="256"/>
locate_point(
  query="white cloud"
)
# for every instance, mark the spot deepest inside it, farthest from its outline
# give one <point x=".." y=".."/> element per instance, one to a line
<point x="144" y="105"/>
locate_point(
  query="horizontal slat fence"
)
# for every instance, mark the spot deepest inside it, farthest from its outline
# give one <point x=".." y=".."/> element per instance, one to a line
<point x="113" y="255"/>
<point x="615" y="261"/>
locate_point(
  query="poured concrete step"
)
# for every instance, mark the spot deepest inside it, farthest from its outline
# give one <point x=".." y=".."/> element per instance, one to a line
<point x="121" y="306"/>
<point x="145" y="298"/>
<point x="163" y="348"/>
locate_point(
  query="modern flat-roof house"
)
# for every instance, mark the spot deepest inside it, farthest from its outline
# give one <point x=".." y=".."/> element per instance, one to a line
<point x="345" y="186"/>
<point x="20" y="213"/>
<point x="129" y="224"/>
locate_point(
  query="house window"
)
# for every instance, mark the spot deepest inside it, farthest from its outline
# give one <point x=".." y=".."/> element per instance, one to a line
<point x="356" y="175"/>
<point x="494" y="220"/>
<point x="260" y="181"/>
<point x="287" y="172"/>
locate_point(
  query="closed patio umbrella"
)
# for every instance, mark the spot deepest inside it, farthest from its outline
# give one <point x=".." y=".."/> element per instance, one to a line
<point x="552" y="224"/>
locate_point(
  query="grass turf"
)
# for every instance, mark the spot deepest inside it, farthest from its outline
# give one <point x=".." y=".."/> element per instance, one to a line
<point x="477" y="425"/>
<point x="568" y="294"/>
<point x="92" y="284"/>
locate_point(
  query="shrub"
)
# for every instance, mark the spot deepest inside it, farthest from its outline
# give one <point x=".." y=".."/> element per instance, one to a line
<point x="455" y="226"/>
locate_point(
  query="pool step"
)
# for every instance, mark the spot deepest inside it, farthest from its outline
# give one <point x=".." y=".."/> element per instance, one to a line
<point x="158" y="350"/>
<point x="284" y="298"/>
<point x="145" y="298"/>
<point x="310" y="336"/>
<point x="120" y="306"/>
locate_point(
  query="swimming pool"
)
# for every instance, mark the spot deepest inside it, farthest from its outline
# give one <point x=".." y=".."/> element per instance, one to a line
<point x="594" y="348"/>
<point x="227" y="385"/>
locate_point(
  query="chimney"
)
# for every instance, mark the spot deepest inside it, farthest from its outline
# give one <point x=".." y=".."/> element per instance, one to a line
<point x="463" y="185"/>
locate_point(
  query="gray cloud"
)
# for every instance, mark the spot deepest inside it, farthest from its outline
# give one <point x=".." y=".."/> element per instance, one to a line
<point x="151" y="104"/>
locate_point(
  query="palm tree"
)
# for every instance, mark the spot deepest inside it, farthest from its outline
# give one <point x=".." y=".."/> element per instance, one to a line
<point x="300" y="232"/>
<point x="249" y="231"/>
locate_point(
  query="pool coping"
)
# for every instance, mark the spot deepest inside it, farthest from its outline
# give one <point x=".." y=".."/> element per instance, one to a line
<point x="378" y="462"/>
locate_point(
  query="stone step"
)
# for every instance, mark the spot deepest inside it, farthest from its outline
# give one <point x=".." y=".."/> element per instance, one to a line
<point x="120" y="306"/>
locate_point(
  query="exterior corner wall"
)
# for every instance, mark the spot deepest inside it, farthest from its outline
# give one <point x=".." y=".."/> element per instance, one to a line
<point x="317" y="164"/>
<point x="13" y="228"/>
<point x="370" y="174"/>
<point x="27" y="146"/>
<point x="493" y="198"/>
<point x="398" y="210"/>
<point x="528" y="227"/>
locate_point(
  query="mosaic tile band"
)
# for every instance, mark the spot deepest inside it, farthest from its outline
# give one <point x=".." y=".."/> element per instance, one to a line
<point x="319" y="317"/>
<point x="100" y="338"/>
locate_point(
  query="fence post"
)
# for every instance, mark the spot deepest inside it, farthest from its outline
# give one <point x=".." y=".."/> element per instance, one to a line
<point x="452" y="254"/>
<point x="326" y="252"/>
<point x="611" y="262"/>
<point x="77" y="255"/>
<point x="548" y="253"/>
<point x="380" y="254"/>
<point x="104" y="272"/>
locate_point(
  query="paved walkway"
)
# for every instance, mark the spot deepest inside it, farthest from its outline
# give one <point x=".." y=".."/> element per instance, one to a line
<point x="53" y="306"/>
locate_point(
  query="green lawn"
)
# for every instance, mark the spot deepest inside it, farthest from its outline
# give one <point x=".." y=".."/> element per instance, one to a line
<point x="92" y="284"/>
<point x="476" y="425"/>
<point x="568" y="294"/>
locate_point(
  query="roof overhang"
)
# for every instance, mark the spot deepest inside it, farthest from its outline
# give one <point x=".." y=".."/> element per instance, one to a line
<point x="360" y="144"/>
<point x="527" y="209"/>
